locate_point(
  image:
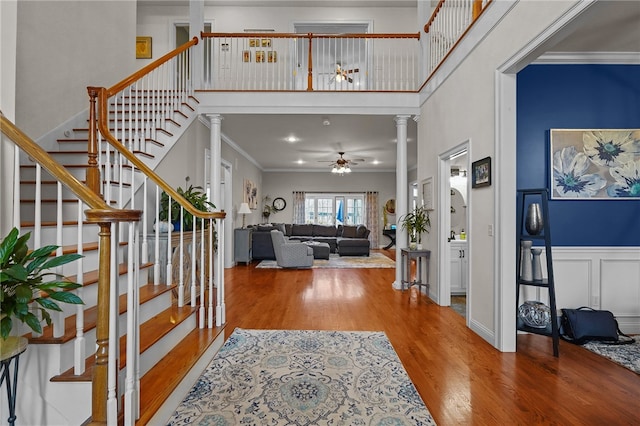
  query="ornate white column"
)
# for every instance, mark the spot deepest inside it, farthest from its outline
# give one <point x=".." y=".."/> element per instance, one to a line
<point x="401" y="192"/>
<point x="216" y="158"/>
<point x="216" y="198"/>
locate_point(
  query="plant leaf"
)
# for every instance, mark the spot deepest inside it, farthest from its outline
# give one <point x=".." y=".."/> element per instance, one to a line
<point x="7" y="245"/>
<point x="61" y="260"/>
<point x="33" y="322"/>
<point x="48" y="304"/>
<point x="5" y="327"/>
<point x="67" y="285"/>
<point x="66" y="297"/>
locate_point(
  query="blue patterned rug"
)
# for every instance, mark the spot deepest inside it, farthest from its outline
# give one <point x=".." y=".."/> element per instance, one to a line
<point x="627" y="356"/>
<point x="280" y="377"/>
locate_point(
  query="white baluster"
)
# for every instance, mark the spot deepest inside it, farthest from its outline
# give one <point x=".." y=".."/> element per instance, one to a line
<point x="79" y="353"/>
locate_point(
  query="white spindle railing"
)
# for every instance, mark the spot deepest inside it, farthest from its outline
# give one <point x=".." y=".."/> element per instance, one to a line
<point x="346" y="62"/>
<point x="448" y="23"/>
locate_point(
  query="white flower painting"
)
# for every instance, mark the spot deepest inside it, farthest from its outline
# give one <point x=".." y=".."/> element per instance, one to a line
<point x="595" y="164"/>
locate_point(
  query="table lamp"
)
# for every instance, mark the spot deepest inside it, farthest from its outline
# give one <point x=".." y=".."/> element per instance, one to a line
<point x="244" y="210"/>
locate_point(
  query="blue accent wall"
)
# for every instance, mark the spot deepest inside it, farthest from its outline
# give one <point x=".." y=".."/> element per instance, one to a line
<point x="577" y="97"/>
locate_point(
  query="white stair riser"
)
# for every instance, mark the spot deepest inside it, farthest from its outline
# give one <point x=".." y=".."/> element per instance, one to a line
<point x="69" y="233"/>
<point x="147" y="311"/>
<point x="89" y="292"/>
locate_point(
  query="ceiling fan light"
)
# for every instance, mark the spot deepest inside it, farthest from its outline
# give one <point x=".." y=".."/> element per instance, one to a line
<point x="347" y="169"/>
<point x="334" y="169"/>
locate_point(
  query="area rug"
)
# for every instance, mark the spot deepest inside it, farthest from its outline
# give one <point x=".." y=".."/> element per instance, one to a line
<point x="627" y="356"/>
<point x="374" y="260"/>
<point x="283" y="377"/>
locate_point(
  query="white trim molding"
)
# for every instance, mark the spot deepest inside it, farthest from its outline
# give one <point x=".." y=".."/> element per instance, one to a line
<point x="598" y="277"/>
<point x="583" y="58"/>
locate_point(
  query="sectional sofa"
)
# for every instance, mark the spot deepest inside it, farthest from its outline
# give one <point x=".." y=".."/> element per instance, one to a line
<point x="342" y="239"/>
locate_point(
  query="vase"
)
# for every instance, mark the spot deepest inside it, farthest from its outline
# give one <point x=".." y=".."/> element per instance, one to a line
<point x="526" y="273"/>
<point x="163" y="226"/>
<point x="534" y="223"/>
<point x="536" y="265"/>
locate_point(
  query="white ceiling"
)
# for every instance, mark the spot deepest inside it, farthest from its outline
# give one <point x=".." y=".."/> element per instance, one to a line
<point x="607" y="26"/>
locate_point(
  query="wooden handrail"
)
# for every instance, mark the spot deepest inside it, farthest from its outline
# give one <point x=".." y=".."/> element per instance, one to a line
<point x="153" y="65"/>
<point x="433" y="16"/>
<point x="135" y="161"/>
<point x="100" y="210"/>
<point x="310" y="35"/>
<point x="476" y="11"/>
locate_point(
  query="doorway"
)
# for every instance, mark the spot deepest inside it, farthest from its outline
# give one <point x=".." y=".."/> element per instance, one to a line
<point x="455" y="288"/>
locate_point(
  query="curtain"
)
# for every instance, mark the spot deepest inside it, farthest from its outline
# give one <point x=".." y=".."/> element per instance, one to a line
<point x="298" y="206"/>
<point x="371" y="216"/>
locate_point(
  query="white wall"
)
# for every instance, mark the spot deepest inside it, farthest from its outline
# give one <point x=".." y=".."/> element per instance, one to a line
<point x="470" y="92"/>
<point x="8" y="30"/>
<point x="156" y="20"/>
<point x="242" y="169"/>
<point x="282" y="184"/>
<point x="63" y="47"/>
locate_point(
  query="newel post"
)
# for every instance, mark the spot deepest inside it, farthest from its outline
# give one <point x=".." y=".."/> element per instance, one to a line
<point x="100" y="370"/>
<point x="310" y="71"/>
<point x="476" y="9"/>
<point x="93" y="172"/>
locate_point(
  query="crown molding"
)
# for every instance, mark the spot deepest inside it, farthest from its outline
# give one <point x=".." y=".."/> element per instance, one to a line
<point x="619" y="58"/>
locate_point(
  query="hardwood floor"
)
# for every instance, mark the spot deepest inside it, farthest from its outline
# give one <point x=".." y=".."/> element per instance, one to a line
<point x="462" y="379"/>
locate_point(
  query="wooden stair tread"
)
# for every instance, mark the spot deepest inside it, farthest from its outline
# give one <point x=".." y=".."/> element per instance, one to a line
<point x="158" y="384"/>
<point x="85" y="153"/>
<point x="150" y="332"/>
<point x="147" y="292"/>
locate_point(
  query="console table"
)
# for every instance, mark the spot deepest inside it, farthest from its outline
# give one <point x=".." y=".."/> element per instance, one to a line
<point x="391" y="234"/>
<point x="407" y="255"/>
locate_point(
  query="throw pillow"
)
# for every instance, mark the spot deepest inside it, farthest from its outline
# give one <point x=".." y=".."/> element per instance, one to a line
<point x="349" y="231"/>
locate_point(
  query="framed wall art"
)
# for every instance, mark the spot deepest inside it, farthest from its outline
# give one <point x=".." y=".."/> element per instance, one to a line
<point x="427" y="193"/>
<point x="143" y="47"/>
<point x="595" y="164"/>
<point x="481" y="173"/>
<point x="250" y="195"/>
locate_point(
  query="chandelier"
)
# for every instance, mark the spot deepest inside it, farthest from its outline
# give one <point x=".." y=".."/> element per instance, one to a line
<point x="340" y="169"/>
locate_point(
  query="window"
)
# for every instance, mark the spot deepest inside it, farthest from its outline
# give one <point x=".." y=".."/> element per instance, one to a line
<point x="334" y="209"/>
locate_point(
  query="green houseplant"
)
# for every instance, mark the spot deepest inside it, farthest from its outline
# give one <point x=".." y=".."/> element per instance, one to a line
<point x="268" y="208"/>
<point x="22" y="281"/>
<point x="195" y="195"/>
<point x="416" y="223"/>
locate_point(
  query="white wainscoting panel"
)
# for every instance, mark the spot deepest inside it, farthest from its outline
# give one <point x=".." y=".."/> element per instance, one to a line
<point x="601" y="278"/>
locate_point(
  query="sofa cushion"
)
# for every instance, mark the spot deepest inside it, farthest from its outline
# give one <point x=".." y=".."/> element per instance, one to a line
<point x="302" y="230"/>
<point x="287" y="229"/>
<point x="349" y="231"/>
<point x="324" y="231"/>
<point x="362" y="231"/>
<point x="280" y="227"/>
<point x="266" y="228"/>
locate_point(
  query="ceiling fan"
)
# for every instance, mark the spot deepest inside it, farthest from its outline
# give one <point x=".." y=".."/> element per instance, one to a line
<point x="343" y="74"/>
<point x="342" y="165"/>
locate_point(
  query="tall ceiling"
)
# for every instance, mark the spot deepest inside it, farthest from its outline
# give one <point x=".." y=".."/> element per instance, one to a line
<point x="606" y="27"/>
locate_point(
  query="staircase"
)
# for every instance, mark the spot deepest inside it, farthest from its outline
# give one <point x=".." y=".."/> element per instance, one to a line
<point x="167" y="340"/>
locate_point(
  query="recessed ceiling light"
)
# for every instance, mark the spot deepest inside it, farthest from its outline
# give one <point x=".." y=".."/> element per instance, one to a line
<point x="291" y="139"/>
<point x="300" y="162"/>
<point x="375" y="162"/>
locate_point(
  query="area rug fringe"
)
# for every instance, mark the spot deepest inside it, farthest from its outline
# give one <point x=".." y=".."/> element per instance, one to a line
<point x="285" y="377"/>
<point x="374" y="260"/>
<point x="627" y="356"/>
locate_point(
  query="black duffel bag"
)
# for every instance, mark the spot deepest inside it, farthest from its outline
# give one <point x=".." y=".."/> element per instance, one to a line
<point x="586" y="324"/>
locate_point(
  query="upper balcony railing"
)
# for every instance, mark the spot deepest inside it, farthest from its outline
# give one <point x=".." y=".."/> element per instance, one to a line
<point x="311" y="62"/>
<point x="449" y="22"/>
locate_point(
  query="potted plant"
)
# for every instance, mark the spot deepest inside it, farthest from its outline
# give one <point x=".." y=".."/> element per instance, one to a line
<point x="268" y="208"/>
<point x="194" y="195"/>
<point x="22" y="281"/>
<point x="416" y="223"/>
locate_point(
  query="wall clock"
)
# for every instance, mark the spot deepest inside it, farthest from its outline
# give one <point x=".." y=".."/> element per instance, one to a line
<point x="279" y="204"/>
